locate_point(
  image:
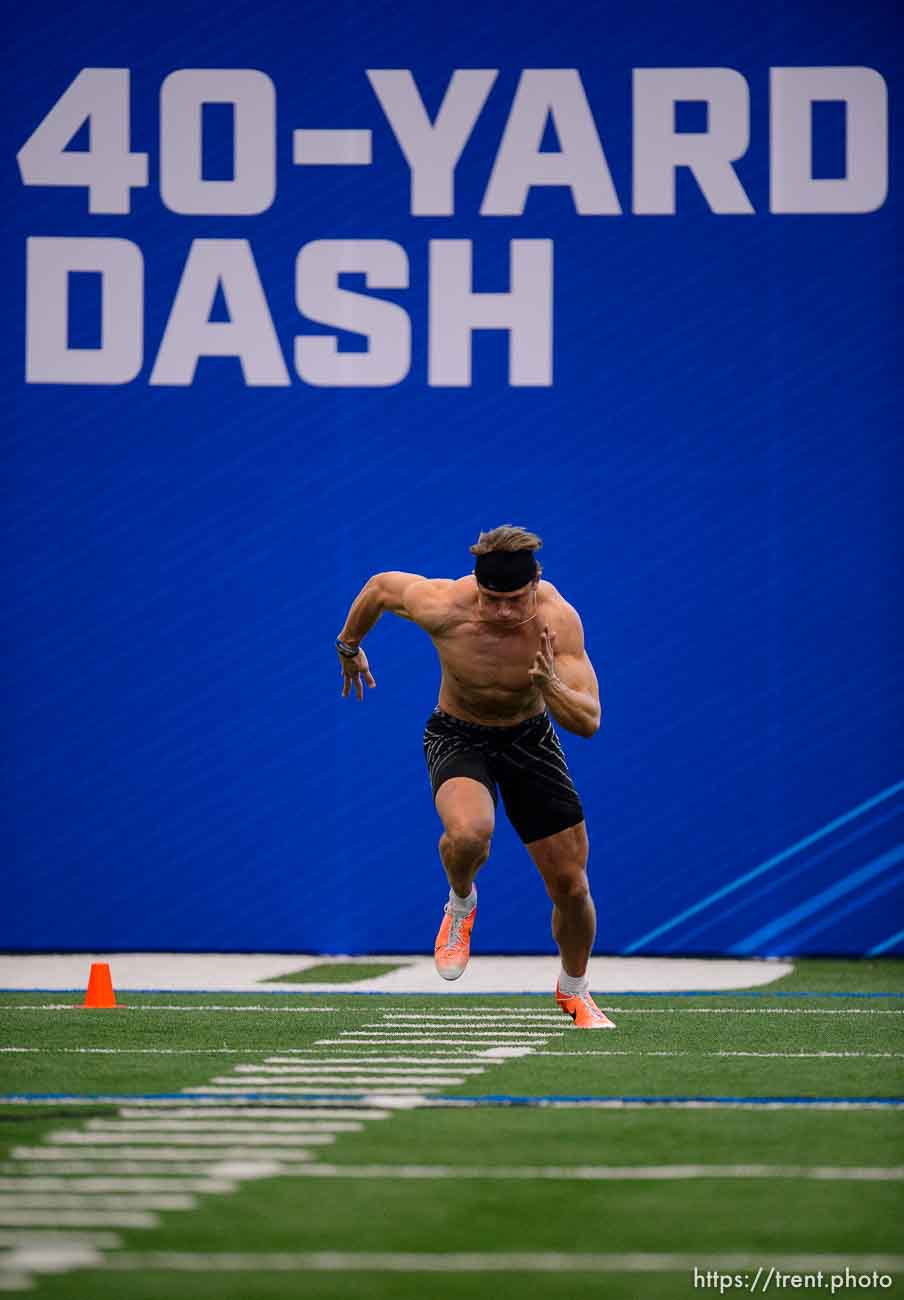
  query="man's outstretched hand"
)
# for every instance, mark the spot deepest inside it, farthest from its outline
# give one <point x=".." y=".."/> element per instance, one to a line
<point x="543" y="670"/>
<point x="353" y="670"/>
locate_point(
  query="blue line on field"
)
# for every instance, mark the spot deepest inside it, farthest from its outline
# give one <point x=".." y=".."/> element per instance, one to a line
<point x="525" y="993"/>
<point x="765" y="866"/>
<point x="502" y="1099"/>
<point x="886" y="944"/>
<point x="492" y="1099"/>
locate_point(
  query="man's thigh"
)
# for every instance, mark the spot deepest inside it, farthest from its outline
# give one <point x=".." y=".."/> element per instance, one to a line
<point x="466" y="806"/>
<point x="562" y="856"/>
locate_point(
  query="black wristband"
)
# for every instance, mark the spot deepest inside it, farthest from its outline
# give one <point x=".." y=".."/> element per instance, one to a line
<point x="346" y="649"/>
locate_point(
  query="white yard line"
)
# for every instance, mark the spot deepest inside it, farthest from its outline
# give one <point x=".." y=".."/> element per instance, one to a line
<point x="609" y="1173"/>
<point x="25" y="1200"/>
<point x="200" y="1123"/>
<point x="481" y="1029"/>
<point x="145" y="1051"/>
<point x="85" y="1218"/>
<point x="176" y="1136"/>
<point x="107" y="1183"/>
<point x="252" y="1110"/>
<point x="792" y="1056"/>
<point x="306" y="1069"/>
<point x="460" y="1017"/>
<point x="427" y="1059"/>
<point x="397" y="1040"/>
<point x="752" y="1011"/>
<point x="495" y="1262"/>
<point x="451" y="1017"/>
<point x="112" y="1166"/>
<point x="377" y="1097"/>
<point x="240" y="1151"/>
<point x="58" y="1240"/>
<point x="169" y="1006"/>
<point x="326" y="1080"/>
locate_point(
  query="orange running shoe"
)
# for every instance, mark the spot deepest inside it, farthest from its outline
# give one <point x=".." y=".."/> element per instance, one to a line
<point x="453" y="943"/>
<point x="583" y="1010"/>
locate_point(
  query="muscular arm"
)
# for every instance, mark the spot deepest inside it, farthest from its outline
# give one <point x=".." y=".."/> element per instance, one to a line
<point x="564" y="674"/>
<point x="384" y="591"/>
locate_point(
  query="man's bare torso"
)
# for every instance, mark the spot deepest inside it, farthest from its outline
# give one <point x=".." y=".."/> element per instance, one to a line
<point x="485" y="665"/>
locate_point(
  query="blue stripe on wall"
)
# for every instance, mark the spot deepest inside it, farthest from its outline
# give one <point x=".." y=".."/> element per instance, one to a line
<point x="818" y="901"/>
<point x="768" y="865"/>
<point x="887" y="944"/>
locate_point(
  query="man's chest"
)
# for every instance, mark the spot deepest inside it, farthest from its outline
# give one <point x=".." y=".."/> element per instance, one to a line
<point x="484" y="655"/>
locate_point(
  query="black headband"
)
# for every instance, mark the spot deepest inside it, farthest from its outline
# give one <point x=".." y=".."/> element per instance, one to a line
<point x="505" y="570"/>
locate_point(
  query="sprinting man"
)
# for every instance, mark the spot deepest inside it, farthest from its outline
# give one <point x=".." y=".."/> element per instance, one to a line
<point x="512" y="653"/>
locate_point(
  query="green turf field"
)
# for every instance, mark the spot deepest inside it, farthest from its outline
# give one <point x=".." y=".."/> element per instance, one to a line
<point x="424" y="1169"/>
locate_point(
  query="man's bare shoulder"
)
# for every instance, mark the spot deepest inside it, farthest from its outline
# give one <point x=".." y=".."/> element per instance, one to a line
<point x="431" y="601"/>
<point x="562" y="617"/>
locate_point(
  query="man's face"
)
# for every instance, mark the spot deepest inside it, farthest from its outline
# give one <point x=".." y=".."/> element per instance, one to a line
<point x="507" y="608"/>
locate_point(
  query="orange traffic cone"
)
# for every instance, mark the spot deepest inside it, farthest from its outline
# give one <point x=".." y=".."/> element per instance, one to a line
<point x="99" y="993"/>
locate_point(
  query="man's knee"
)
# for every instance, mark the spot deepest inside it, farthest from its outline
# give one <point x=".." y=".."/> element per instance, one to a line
<point x="471" y="839"/>
<point x="568" y="886"/>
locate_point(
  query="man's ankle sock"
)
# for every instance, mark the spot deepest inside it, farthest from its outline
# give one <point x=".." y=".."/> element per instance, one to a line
<point x="571" y="985"/>
<point x="462" y="906"/>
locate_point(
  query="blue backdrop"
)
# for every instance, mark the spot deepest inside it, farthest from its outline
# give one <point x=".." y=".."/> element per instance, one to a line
<point x="714" y="467"/>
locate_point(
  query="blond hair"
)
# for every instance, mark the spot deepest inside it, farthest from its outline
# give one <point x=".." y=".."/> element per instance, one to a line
<point x="507" y="537"/>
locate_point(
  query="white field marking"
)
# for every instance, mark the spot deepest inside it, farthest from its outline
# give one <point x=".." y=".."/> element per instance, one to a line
<point x="793" y="1056"/>
<point x="196" y="1124"/>
<point x="212" y="1168"/>
<point x="183" y="1136"/>
<point x="503" y="1052"/>
<point x="377" y="1059"/>
<point x="297" y="1091"/>
<point x="383" y="1098"/>
<point x="145" y="1051"/>
<point x="485" y="1028"/>
<point x="634" y="1011"/>
<point x="449" y="1053"/>
<point x="354" y="1108"/>
<point x="220" y="1173"/>
<point x="751" y="1011"/>
<point x="58" y="1240"/>
<point x="87" y="1218"/>
<point x="249" y="1111"/>
<point x="242" y="1150"/>
<point x="465" y="1017"/>
<point x="107" y="1183"/>
<point x="611" y="1173"/>
<point x="116" y="1168"/>
<point x="37" y="1259"/>
<point x="545" y="1012"/>
<point x="326" y="1081"/>
<point x="396" y="1040"/>
<point x="303" y="1069"/>
<point x="79" y="1201"/>
<point x="161" y="1006"/>
<point x="402" y="1020"/>
<point x="488" y="1262"/>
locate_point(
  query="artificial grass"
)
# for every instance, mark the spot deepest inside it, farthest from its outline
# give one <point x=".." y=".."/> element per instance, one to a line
<point x="286" y="1213"/>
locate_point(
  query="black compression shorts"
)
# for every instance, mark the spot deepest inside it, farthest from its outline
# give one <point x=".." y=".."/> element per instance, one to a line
<point x="526" y="762"/>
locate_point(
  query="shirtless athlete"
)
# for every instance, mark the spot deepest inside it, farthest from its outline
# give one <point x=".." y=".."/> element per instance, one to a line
<point x="512" y="653"/>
